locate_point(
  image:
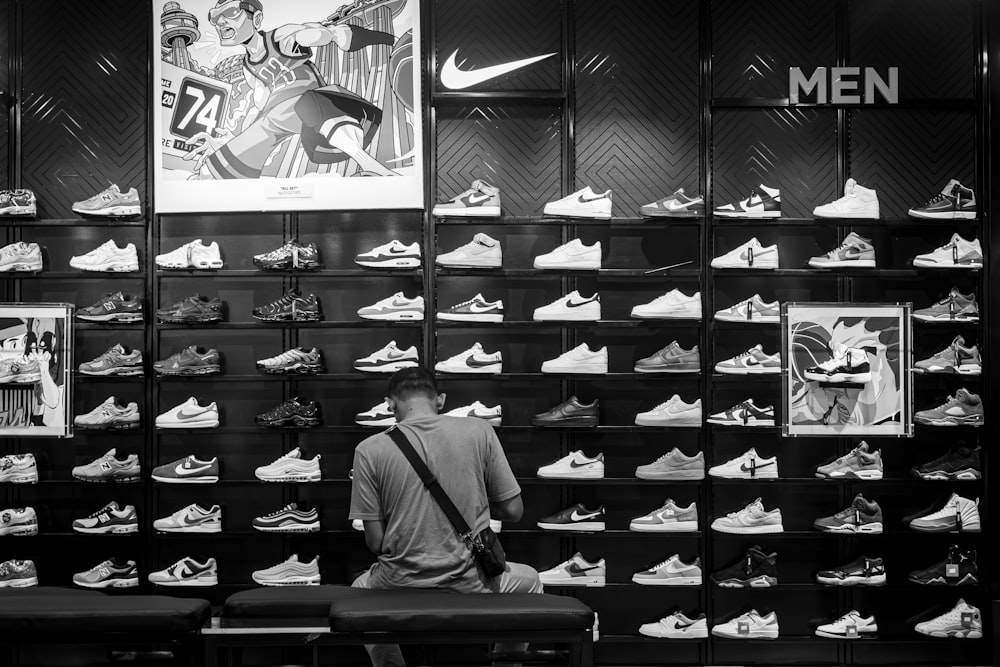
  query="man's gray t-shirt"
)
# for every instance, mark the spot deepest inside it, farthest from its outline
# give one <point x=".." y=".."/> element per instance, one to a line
<point x="421" y="548"/>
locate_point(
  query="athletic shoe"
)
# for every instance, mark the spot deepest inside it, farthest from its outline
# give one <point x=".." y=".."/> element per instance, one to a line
<point x="20" y="371"/>
<point x="188" y="470"/>
<point x="750" y="255"/>
<point x="389" y="359"/>
<point x="845" y="365"/>
<point x="290" y="467"/>
<point x="744" y="414"/>
<point x="379" y="415"/>
<point x="482" y="252"/>
<point x="482" y="200"/>
<point x="391" y="255"/>
<point x="861" y="516"/>
<point x="192" y="360"/>
<point x="111" y="202"/>
<point x="752" y="519"/>
<point x="492" y="416"/>
<point x="290" y="572"/>
<point x="954" y="202"/>
<point x="195" y="309"/>
<point x="291" y="413"/>
<point x="187" y="572"/>
<point x="955" y="254"/>
<point x="20" y="256"/>
<point x="108" y="257"/>
<point x="583" y="203"/>
<point x="297" y="360"/>
<point x="573" y="255"/>
<point x="116" y="360"/>
<point x="959" y="462"/>
<point x="750" y="625"/>
<point x="18" y="574"/>
<point x="752" y="362"/>
<point x="963" y="622"/>
<point x="292" y="307"/>
<point x="670" y="518"/>
<point x="762" y="202"/>
<point x="959" y="568"/>
<point x="858" y="202"/>
<point x="191" y="519"/>
<point x="954" y="307"/>
<point x="22" y="521"/>
<point x="569" y="413"/>
<point x="580" y="360"/>
<point x="292" y="518"/>
<point x="671" y="359"/>
<point x="109" y="574"/>
<point x="676" y="626"/>
<point x="113" y="308"/>
<point x="863" y="571"/>
<point x="956" y="358"/>
<point x="576" y="517"/>
<point x="962" y="409"/>
<point x="476" y="309"/>
<point x="677" y="205"/>
<point x="18" y="469"/>
<point x="109" y="520"/>
<point x="754" y="310"/>
<point x="854" y="251"/>
<point x="16" y="203"/>
<point x="958" y="515"/>
<point x="577" y="571"/>
<point x="570" y="308"/>
<point x="472" y="361"/>
<point x="109" y="468"/>
<point x="673" y="465"/>
<point x="109" y="416"/>
<point x="672" y="412"/>
<point x="190" y="414"/>
<point x="396" y="307"/>
<point x="192" y="255"/>
<point x="575" y="465"/>
<point x="859" y="463"/>
<point x="748" y="465"/>
<point x="851" y="625"/>
<point x="292" y="256"/>
<point x="671" y="572"/>
<point x="755" y="570"/>
<point x="674" y="305"/>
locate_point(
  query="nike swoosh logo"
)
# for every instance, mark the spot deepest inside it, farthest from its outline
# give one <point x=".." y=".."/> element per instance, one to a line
<point x="405" y="304"/>
<point x="746" y="468"/>
<point x="584" y="200"/>
<point x="570" y="304"/>
<point x="183" y="472"/>
<point x="398" y="252"/>
<point x="580" y="517"/>
<point x="454" y="78"/>
<point x="395" y="355"/>
<point x="673" y="205"/>
<point x="680" y="626"/>
<point x="576" y="569"/>
<point x="478" y="198"/>
<point x="476" y="308"/>
<point x="472" y="362"/>
<point x="574" y="464"/>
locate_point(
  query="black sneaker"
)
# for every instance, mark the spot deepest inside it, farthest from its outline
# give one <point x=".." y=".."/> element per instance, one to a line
<point x="959" y="568"/>
<point x="291" y="413"/>
<point x="959" y="462"/>
<point x="755" y="570"/>
<point x="862" y="516"/>
<point x="111" y="308"/>
<point x="568" y="413"/>
<point x="290" y="308"/>
<point x="864" y="571"/>
<point x="292" y="518"/>
<point x="576" y="517"/>
<point x="291" y="256"/>
<point x="195" y="309"/>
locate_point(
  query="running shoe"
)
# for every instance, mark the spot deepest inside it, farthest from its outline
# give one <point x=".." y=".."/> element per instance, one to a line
<point x="569" y="413"/>
<point x="962" y="409"/>
<point x="854" y="251"/>
<point x="109" y="416"/>
<point x="583" y="203"/>
<point x="109" y="468"/>
<point x="677" y="205"/>
<point x="751" y="625"/>
<point x="762" y="202"/>
<point x="391" y="255"/>
<point x="570" y="308"/>
<point x="187" y="572"/>
<point x="291" y="413"/>
<point x="18" y="469"/>
<point x="754" y="570"/>
<point x="188" y="470"/>
<point x="190" y="414"/>
<point x="748" y="465"/>
<point x="671" y="518"/>
<point x="195" y="309"/>
<point x="297" y="360"/>
<point x="750" y="255"/>
<point x="671" y="572"/>
<point x="958" y="515"/>
<point x="482" y="252"/>
<point x="116" y="360"/>
<point x="575" y="465"/>
<point x="963" y="622"/>
<point x="21" y="256"/>
<point x="476" y="309"/>
<point x="671" y="359"/>
<point x="290" y="572"/>
<point x="292" y="518"/>
<point x="577" y="517"/>
<point x="848" y="365"/>
<point x="111" y="519"/>
<point x="955" y="254"/>
<point x="959" y="462"/>
<point x="954" y="202"/>
<point x="191" y="519"/>
<point x="577" y="571"/>
<point x="673" y="465"/>
<point x="379" y="415"/>
<point x="752" y="362"/>
<point x="476" y="410"/>
<point x="109" y="574"/>
<point x="17" y="203"/>
<point x="863" y="571"/>
<point x="111" y="202"/>
<point x="475" y="360"/>
<point x="571" y="256"/>
<point x="745" y="413"/>
<point x="192" y="360"/>
<point x="482" y="200"/>
<point x="956" y="358"/>
<point x="859" y="463"/>
<point x="858" y="202"/>
<point x="580" y="360"/>
<point x="861" y="516"/>
<point x="672" y="412"/>
<point x="396" y="307"/>
<point x="389" y="359"/>
<point x="851" y="625"/>
<point x="18" y="574"/>
<point x="290" y="467"/>
<point x="292" y="256"/>
<point x="113" y="308"/>
<point x="959" y="568"/>
<point x="192" y="255"/>
<point x="676" y="626"/>
<point x="752" y="519"/>
<point x="956" y="307"/>
<point x="19" y="371"/>
<point x="108" y="257"/>
<point x="292" y="307"/>
<point x="754" y="310"/>
<point x="674" y="305"/>
<point x="21" y="521"/>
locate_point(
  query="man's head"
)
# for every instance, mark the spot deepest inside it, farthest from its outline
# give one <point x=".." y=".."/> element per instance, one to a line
<point x="413" y="390"/>
<point x="236" y="20"/>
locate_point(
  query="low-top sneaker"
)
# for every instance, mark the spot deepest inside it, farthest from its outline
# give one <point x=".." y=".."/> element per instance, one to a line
<point x="108" y="257"/>
<point x="851" y="625"/>
<point x="863" y="571"/>
<point x="754" y="570"/>
<point x="109" y="574"/>
<point x="378" y="415"/>
<point x="748" y="465"/>
<point x="18" y="469"/>
<point x="750" y="255"/>
<point x="962" y="409"/>
<point x="577" y="571"/>
<point x="958" y="514"/>
<point x="576" y="517"/>
<point x="954" y="202"/>
<point x="195" y="309"/>
<point x="752" y="519"/>
<point x="955" y="254"/>
<point x="296" y="361"/>
<point x="963" y="621"/>
<point x="388" y="359"/>
<point x="476" y="410"/>
<point x="392" y="255"/>
<point x="754" y="310"/>
<point x="291" y="413"/>
<point x="290" y="467"/>
<point x="292" y="307"/>
<point x="858" y="202"/>
<point x="676" y="205"/>
<point x="752" y="362"/>
<point x="188" y="470"/>
<point x="569" y="413"/>
<point x="955" y="307"/>
<point x="191" y="519"/>
<point x="573" y="307"/>
<point x="580" y="360"/>
<point x="671" y="359"/>
<point x="109" y="416"/>
<point x="670" y="518"/>
<point x="475" y="360"/>
<point x="671" y="572"/>
<point x="109" y="520"/>
<point x="583" y="203"/>
<point x="291" y="572"/>
<point x="745" y="413"/>
<point x="751" y="625"/>
<point x="675" y="464"/>
<point x="674" y="305"/>
<point x="113" y="307"/>
<point x="676" y="626"/>
<point x="476" y="309"/>
<point x="861" y="516"/>
<point x="573" y="255"/>
<point x="956" y="358"/>
<point x="187" y="572"/>
<point x="575" y="465"/>
<point x="21" y="257"/>
<point x="192" y="360"/>
<point x="859" y="463"/>
<point x="192" y="255"/>
<point x="672" y="412"/>
<point x="18" y="574"/>
<point x="19" y="521"/>
<point x="109" y="468"/>
<point x="17" y="203"/>
<point x="292" y="518"/>
<point x="762" y="202"/>
<point x="854" y="251"/>
<point x="292" y="256"/>
<point x="110" y="202"/>
<point x="482" y="200"/>
<point x="116" y="360"/>
<point x="190" y="414"/>
<point x="959" y="568"/>
<point x="959" y="462"/>
<point x="482" y="252"/>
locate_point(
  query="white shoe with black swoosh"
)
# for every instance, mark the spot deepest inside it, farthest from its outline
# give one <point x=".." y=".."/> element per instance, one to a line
<point x="577" y="571"/>
<point x="576" y="517"/>
<point x="476" y="410"/>
<point x="750" y="255"/>
<point x="748" y="465"/>
<point x="187" y="572"/>
<point x="474" y="361"/>
<point x="583" y="203"/>
<point x="191" y="519"/>
<point x="190" y="414"/>
<point x="476" y="309"/>
<point x="189" y="470"/>
<point x="762" y="202"/>
<point x="575" y="465"/>
<point x="580" y="360"/>
<point x="676" y="626"/>
<point x="391" y="255"/>
<point x="388" y="360"/>
<point x="570" y="308"/>
<point x="396" y="307"/>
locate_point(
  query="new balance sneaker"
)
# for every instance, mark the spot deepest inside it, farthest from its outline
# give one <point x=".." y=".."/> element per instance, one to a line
<point x="292" y="256"/>
<point x="575" y="465"/>
<point x="292" y="518"/>
<point x="191" y="519"/>
<point x="752" y="519"/>
<point x="187" y="572"/>
<point x="861" y="516"/>
<point x="762" y="202"/>
<point x="958" y="515"/>
<point x="475" y="360"/>
<point x="955" y="254"/>
<point x="391" y="255"/>
<point x="851" y="625"/>
<point x="745" y="413"/>
<point x="379" y="415"/>
<point x="109" y="416"/>
<point x="576" y="517"/>
<point x="959" y="568"/>
<point x="752" y="362"/>
<point x="959" y="462"/>
<point x="751" y="625"/>
<point x="17" y="203"/>
<point x="956" y="307"/>
<point x="109" y="574"/>
<point x="292" y="307"/>
<point x="20" y="256"/>
<point x="111" y="308"/>
<point x="577" y="571"/>
<point x="754" y="310"/>
<point x="482" y="200"/>
<point x="20" y="371"/>
<point x="18" y="574"/>
<point x="676" y="626"/>
<point x="395" y="308"/>
<point x="846" y="365"/>
<point x="569" y="413"/>
<point x="956" y="358"/>
<point x="963" y="622"/>
<point x="110" y="202"/>
<point x="570" y="308"/>
<point x="116" y="360"/>
<point x="109" y="468"/>
<point x="297" y="360"/>
<point x="962" y="409"/>
<point x="671" y="518"/>
<point x="672" y="412"/>
<point x="21" y="521"/>
<point x="190" y="414"/>
<point x="188" y="470"/>
<point x="583" y="203"/>
<point x="859" y="463"/>
<point x="109" y="520"/>
<point x="195" y="309"/>
<point x="748" y="465"/>
<point x="863" y="571"/>
<point x="492" y="416"/>
<point x="671" y="359"/>
<point x="854" y="251"/>
<point x="18" y="469"/>
<point x="388" y="359"/>
<point x="954" y="202"/>
<point x="671" y="572"/>
<point x="750" y="255"/>
<point x="573" y="255"/>
<point x="674" y="305"/>
<point x="291" y="572"/>
<point x="192" y="255"/>
<point x="755" y="570"/>
<point x="291" y="413"/>
<point x="108" y="257"/>
<point x="580" y="360"/>
<point x="482" y="252"/>
<point x="192" y="360"/>
<point x="476" y="309"/>
<point x="673" y="465"/>
<point x="290" y="467"/>
<point x="676" y="205"/>
<point x="858" y="202"/>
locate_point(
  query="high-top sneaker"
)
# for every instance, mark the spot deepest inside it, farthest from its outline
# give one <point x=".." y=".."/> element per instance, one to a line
<point x="854" y="251"/>
<point x="958" y="515"/>
<point x="857" y="202"/>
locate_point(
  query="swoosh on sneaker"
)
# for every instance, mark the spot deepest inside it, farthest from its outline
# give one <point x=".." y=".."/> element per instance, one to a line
<point x="485" y="308"/>
<point x="673" y="204"/>
<point x="574" y="568"/>
<point x="184" y="416"/>
<point x="745" y="468"/>
<point x="575" y="516"/>
<point x="187" y="472"/>
<point x="472" y="362"/>
<point x="454" y="78"/>
<point x="570" y="304"/>
<point x="574" y="464"/>
<point x="584" y="200"/>
<point x="479" y="198"/>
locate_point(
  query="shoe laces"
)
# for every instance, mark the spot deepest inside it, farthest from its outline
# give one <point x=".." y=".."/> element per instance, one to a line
<point x="290" y="507"/>
<point x="476" y="299"/>
<point x="286" y="249"/>
<point x="107" y="509"/>
<point x="663" y="564"/>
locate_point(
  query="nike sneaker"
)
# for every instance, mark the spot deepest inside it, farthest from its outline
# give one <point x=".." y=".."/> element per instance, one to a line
<point x="113" y="308"/>
<point x="859" y="463"/>
<point x="290" y="572"/>
<point x="297" y="360"/>
<point x="109" y="468"/>
<point x="20" y="256"/>
<point x="861" y="516"/>
<point x="292" y="256"/>
<point x="762" y="202"/>
<point x="191" y="519"/>
<point x="750" y="255"/>
<point x="672" y="412"/>
<point x="677" y="205"/>
<point x="956" y="254"/>
<point x="959" y="568"/>
<point x="755" y="570"/>
<point x="475" y="360"/>
<point x="192" y="360"/>
<point x="748" y="465"/>
<point x="858" y="202"/>
<point x="573" y="255"/>
<point x="292" y="518"/>
<point x="391" y="255"/>
<point x="291" y="413"/>
<point x="396" y="307"/>
<point x="190" y="414"/>
<point x="754" y="310"/>
<point x="569" y="413"/>
<point x="958" y="515"/>
<point x="18" y="469"/>
<point x="752" y="362"/>
<point x="188" y="470"/>
<point x="956" y="307"/>
<point x="956" y="358"/>
<point x="752" y="519"/>
<point x="676" y="626"/>
<point x="379" y="415"/>
<point x="580" y="360"/>
<point x="389" y="359"/>
<point x="962" y="409"/>
<point x="116" y="360"/>
<point x="108" y="257"/>
<point x="854" y="251"/>
<point x="671" y="359"/>
<point x="745" y="413"/>
<point x="570" y="308"/>
<point x="482" y="200"/>
<point x="476" y="309"/>
<point x="751" y="625"/>
<point x="576" y="517"/>
<point x="22" y="521"/>
<point x="959" y="462"/>
<point x="954" y="202"/>
<point x="492" y="416"/>
<point x="674" y="305"/>
<point x="187" y="572"/>
<point x="963" y="622"/>
<point x="195" y="309"/>
<point x="109" y="520"/>
<point x="292" y="307"/>
<point x="109" y="416"/>
<point x="575" y="465"/>
<point x="17" y="203"/>
<point x="109" y="574"/>
<point x="845" y="365"/>
<point x="863" y="571"/>
<point x="583" y="203"/>
<point x="671" y="572"/>
<point x="671" y="518"/>
<point x="482" y="252"/>
<point x="851" y="625"/>
<point x="577" y="571"/>
<point x="673" y="465"/>
<point x="18" y="574"/>
<point x="111" y="202"/>
<point x="290" y="467"/>
<point x="20" y="371"/>
<point x="192" y="255"/>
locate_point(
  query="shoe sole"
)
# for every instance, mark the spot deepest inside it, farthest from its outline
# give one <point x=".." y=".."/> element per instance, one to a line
<point x="950" y="215"/>
<point x="576" y="422"/>
<point x="697" y="634"/>
<point x="119" y="371"/>
<point x="190" y="424"/>
<point x="976" y="420"/>
<point x="590" y="582"/>
<point x="191" y="529"/>
<point x="941" y="475"/>
<point x="305" y="528"/>
<point x="956" y="634"/>
<point x="876" y="580"/>
<point x="305" y="477"/>
<point x="485" y="317"/>
<point x="565" y="317"/>
<point x="747" y="214"/>
<point x="946" y="317"/>
<point x="585" y="526"/>
<point x="670" y="214"/>
<point x="919" y="264"/>
<point x="861" y="634"/>
<point x="560" y="212"/>
<point x="773" y="634"/>
<point x="113" y="530"/>
<point x="189" y="319"/>
<point x="291" y="581"/>
<point x="292" y="317"/>
<point x="763" y="319"/>
<point x="20" y="531"/>
<point x="393" y="317"/>
<point x="866" y="529"/>
<point x="469" y="265"/>
<point x="479" y="212"/>
<point x="967" y="580"/>
<point x="968" y="527"/>
<point x="569" y="266"/>
<point x="19" y="583"/>
<point x="289" y="422"/>
<point x="859" y="474"/>
<point x="296" y="369"/>
<point x="840" y="378"/>
<point x="101" y="480"/>
<point x="21" y="479"/>
<point x="680" y="315"/>
<point x="120" y="318"/>
<point x="376" y="422"/>
<point x="202" y="583"/>
<point x="200" y="266"/>
<point x="117" y="426"/>
<point x="18" y="211"/>
<point x="208" y="479"/>
<point x="288" y="266"/>
<point x="675" y="581"/>
<point x="695" y="474"/>
<point x="749" y="423"/>
<point x="769" y="474"/>
<point x="24" y="378"/>
<point x="757" y="266"/>
<point x="653" y="421"/>
<point x="571" y="475"/>
<point x="749" y="530"/>
<point x="576" y="369"/>
<point x="493" y="369"/>
<point x="395" y="263"/>
<point x="762" y="581"/>
<point x="110" y="583"/>
<point x="121" y="211"/>
<point x="199" y="370"/>
<point x="108" y="268"/>
<point x="679" y="527"/>
<point x="729" y="370"/>
<point x="22" y="266"/>
<point x="968" y="369"/>
<point x="665" y="369"/>
<point x="844" y="264"/>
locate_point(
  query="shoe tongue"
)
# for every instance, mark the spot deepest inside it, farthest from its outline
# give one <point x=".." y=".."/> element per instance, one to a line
<point x="759" y="347"/>
<point x="863" y="447"/>
<point x="477" y="347"/>
<point x="483" y="239"/>
<point x="952" y="185"/>
<point x="117" y="347"/>
<point x="751" y="453"/>
<point x="680" y="191"/>
<point x="849" y="186"/>
<point x="110" y="400"/>
<point x="859" y="501"/>
<point x="292" y="506"/>
<point x="757" y="504"/>
<point x="111" y="453"/>
<point x="294" y="454"/>
<point x="962" y="394"/>
<point x="113" y="505"/>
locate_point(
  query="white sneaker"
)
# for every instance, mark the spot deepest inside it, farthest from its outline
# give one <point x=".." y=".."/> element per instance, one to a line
<point x="750" y="625"/>
<point x="575" y="465"/>
<point x="750" y="255"/>
<point x="570" y="308"/>
<point x="187" y="572"/>
<point x="572" y="255"/>
<point x="857" y="202"/>
<point x="748" y="465"/>
<point x="672" y="412"/>
<point x="851" y="625"/>
<point x="396" y="307"/>
<point x="379" y="415"/>
<point x="290" y="468"/>
<point x="190" y="414"/>
<point x="957" y="515"/>
<point x="192" y="255"/>
<point x="472" y="361"/>
<point x="752" y="362"/>
<point x="745" y="413"/>
<point x="19" y="521"/>
<point x="963" y="622"/>
<point x="674" y="305"/>
<point x="19" y="469"/>
<point x="751" y="520"/>
<point x="754" y="310"/>
<point x="482" y="200"/>
<point x="956" y="254"/>
<point x="391" y="255"/>
<point x="762" y="202"/>
<point x="482" y="252"/>
<point x="476" y="309"/>
<point x="192" y="519"/>
<point x="676" y="626"/>
<point x="108" y="257"/>
<point x="388" y="360"/>
<point x="290" y="572"/>
<point x="493" y="416"/>
<point x="577" y="571"/>
<point x="581" y="359"/>
<point x="583" y="203"/>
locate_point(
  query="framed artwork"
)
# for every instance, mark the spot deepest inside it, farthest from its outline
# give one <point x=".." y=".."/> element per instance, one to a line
<point x="847" y="369"/>
<point x="36" y="361"/>
<point x="268" y="105"/>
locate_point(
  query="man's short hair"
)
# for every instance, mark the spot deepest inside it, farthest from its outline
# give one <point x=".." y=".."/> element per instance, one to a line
<point x="406" y="382"/>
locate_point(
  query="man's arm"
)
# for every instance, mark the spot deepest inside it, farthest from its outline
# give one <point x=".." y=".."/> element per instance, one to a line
<point x="505" y="510"/>
<point x="344" y="36"/>
<point x="374" y="533"/>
